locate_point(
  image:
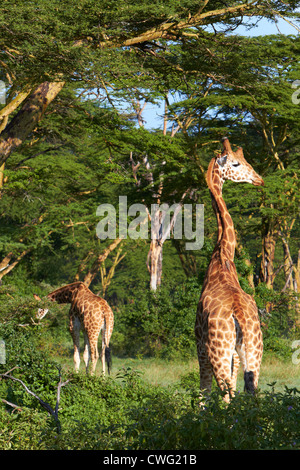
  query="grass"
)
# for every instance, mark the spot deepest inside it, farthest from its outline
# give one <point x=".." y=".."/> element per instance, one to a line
<point x="166" y="373"/>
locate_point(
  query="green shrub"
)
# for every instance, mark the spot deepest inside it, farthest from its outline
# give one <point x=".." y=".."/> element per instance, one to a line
<point x="158" y="324"/>
<point x="99" y="413"/>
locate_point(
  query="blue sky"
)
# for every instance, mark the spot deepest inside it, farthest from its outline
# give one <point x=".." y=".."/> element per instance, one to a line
<point x="153" y="114"/>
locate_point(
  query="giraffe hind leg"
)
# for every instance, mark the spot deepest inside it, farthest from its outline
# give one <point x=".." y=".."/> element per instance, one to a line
<point x="224" y="370"/>
<point x="94" y="355"/>
<point x="235" y="364"/>
<point x="75" y="333"/>
<point x="206" y="373"/>
<point x="87" y="352"/>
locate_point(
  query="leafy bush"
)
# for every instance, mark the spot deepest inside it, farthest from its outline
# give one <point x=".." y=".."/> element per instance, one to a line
<point x="278" y="325"/>
<point x="99" y="413"/>
<point x="158" y="324"/>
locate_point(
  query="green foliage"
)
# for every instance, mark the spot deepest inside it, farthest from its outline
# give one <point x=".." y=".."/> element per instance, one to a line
<point x="102" y="414"/>
<point x="78" y="156"/>
<point x="160" y="323"/>
<point x="124" y="412"/>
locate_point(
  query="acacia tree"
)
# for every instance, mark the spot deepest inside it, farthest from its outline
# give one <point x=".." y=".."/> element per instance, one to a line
<point x="268" y="105"/>
<point x="250" y="98"/>
<point x="77" y="42"/>
<point x="49" y="204"/>
<point x="113" y="51"/>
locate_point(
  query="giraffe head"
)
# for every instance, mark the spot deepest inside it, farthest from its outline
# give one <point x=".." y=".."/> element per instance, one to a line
<point x="233" y="166"/>
<point x="42" y="312"/>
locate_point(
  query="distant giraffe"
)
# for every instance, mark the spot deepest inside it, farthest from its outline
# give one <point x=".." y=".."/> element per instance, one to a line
<point x="91" y="314"/>
<point x="227" y="326"/>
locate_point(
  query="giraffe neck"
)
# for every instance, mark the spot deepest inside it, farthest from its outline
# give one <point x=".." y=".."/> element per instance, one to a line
<point x="65" y="295"/>
<point x="226" y="235"/>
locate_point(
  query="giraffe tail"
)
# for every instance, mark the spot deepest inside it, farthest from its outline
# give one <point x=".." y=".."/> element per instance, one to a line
<point x="108" y="358"/>
<point x="249" y="382"/>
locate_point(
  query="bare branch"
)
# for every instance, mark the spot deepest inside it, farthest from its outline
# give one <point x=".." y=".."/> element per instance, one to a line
<point x="45" y="405"/>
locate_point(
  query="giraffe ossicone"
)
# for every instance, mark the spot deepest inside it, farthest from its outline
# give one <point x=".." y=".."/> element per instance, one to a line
<point x="91" y="314"/>
<point x="227" y="326"/>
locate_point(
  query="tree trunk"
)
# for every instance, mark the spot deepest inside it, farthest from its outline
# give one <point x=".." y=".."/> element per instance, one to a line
<point x="288" y="266"/>
<point x="154" y="263"/>
<point x="25" y="121"/>
<point x="106" y="277"/>
<point x="92" y="273"/>
<point x="296" y="269"/>
<point x="266" y="274"/>
<point x="5" y="267"/>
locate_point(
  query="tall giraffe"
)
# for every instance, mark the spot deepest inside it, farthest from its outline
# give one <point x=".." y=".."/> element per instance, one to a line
<point x="91" y="314"/>
<point x="227" y="326"/>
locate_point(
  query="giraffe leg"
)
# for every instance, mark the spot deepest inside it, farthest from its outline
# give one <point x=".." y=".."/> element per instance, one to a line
<point x="75" y="333"/>
<point x="234" y="370"/>
<point x="206" y="376"/>
<point x="222" y="373"/>
<point x="206" y="373"/>
<point x="221" y="352"/>
<point x="105" y="352"/>
<point x="94" y="354"/>
<point x="87" y="352"/>
<point x="251" y="366"/>
<point x="103" y="355"/>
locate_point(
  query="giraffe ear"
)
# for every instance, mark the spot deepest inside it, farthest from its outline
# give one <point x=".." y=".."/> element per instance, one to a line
<point x="222" y="160"/>
<point x="239" y="152"/>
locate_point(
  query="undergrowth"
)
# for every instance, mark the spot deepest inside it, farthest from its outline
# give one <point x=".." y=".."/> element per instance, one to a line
<point x="99" y="413"/>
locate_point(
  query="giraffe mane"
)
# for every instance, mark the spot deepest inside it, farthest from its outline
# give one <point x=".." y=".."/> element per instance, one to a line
<point x="210" y="172"/>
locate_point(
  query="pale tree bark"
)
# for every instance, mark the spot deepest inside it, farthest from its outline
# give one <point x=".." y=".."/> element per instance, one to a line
<point x="172" y="29"/>
<point x="288" y="265"/>
<point x="162" y="223"/>
<point x="9" y="267"/>
<point x="154" y="264"/>
<point x="25" y="121"/>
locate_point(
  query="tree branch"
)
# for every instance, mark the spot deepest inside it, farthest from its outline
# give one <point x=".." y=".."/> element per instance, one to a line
<point x="25" y="121"/>
<point x="46" y="406"/>
<point x="165" y="29"/>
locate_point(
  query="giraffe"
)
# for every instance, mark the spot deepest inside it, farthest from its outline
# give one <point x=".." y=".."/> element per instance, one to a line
<point x="227" y="326"/>
<point x="90" y="313"/>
